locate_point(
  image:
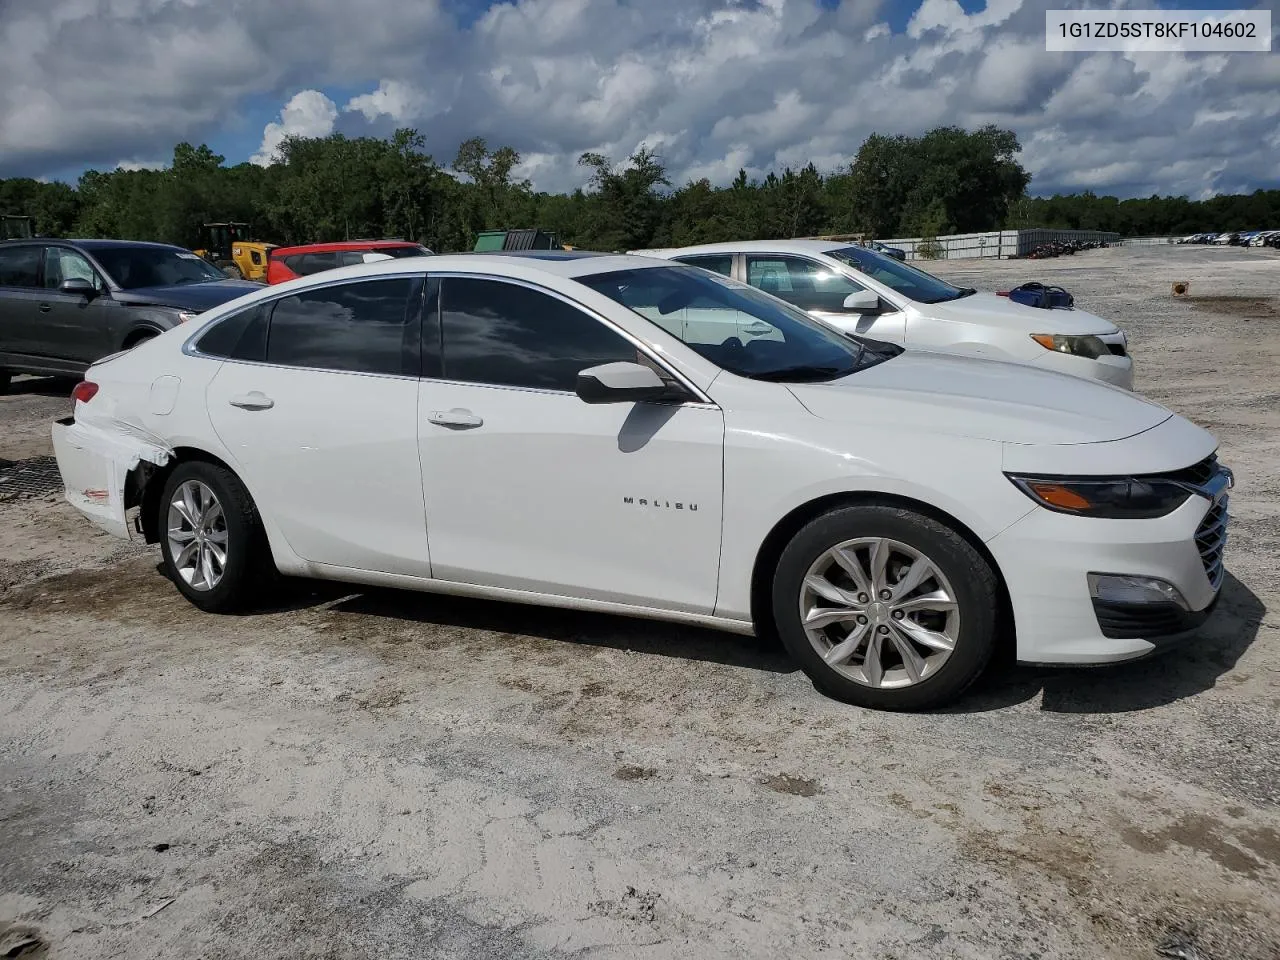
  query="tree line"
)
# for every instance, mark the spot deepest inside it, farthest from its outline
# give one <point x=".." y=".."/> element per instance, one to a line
<point x="948" y="180"/>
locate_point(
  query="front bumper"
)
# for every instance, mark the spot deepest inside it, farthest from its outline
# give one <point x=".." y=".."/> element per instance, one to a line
<point x="1046" y="558"/>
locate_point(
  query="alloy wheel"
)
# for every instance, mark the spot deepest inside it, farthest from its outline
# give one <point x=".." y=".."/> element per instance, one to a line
<point x="879" y="612"/>
<point x="197" y="534"/>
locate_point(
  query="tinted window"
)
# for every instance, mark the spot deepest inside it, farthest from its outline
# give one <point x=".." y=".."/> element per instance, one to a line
<point x="717" y="263"/>
<point x="135" y="267"/>
<point x="317" y="263"/>
<point x="19" y="266"/>
<point x="62" y="263"/>
<point x="805" y="283"/>
<point x="365" y="327"/>
<point x="506" y="334"/>
<point x="242" y="336"/>
<point x="255" y="256"/>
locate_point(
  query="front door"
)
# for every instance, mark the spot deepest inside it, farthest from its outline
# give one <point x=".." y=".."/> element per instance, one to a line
<point x="76" y="327"/>
<point x="821" y="290"/>
<point x="530" y="488"/>
<point x="320" y="415"/>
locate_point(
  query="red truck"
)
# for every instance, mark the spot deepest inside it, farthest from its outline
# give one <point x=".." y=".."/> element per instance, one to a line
<point x="289" y="263"/>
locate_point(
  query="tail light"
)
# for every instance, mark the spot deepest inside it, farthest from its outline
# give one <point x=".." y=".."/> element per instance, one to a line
<point x="84" y="392"/>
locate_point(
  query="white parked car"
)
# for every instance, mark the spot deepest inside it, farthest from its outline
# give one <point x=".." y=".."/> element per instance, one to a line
<point x="630" y="435"/>
<point x="862" y="291"/>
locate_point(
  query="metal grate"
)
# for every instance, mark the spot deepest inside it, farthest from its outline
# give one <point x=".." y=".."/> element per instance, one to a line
<point x="36" y="477"/>
<point x="1197" y="474"/>
<point x="1211" y="541"/>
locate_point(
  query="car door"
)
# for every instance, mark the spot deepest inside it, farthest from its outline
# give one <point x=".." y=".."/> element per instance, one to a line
<point x="715" y="325"/>
<point x="820" y="290"/>
<point x="20" y="299"/>
<point x="75" y="327"/>
<point x="317" y="404"/>
<point x="530" y="488"/>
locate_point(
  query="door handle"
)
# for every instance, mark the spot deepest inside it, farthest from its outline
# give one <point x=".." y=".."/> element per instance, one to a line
<point x="457" y="417"/>
<point x="252" y="401"/>
<point x="45" y="307"/>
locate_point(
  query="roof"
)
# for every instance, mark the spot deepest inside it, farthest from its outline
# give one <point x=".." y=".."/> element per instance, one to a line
<point x="102" y="244"/>
<point x="749" y="246"/>
<point x="540" y="254"/>
<point x="336" y="245"/>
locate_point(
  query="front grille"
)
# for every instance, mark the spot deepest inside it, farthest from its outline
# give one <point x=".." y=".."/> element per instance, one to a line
<point x="1198" y="474"/>
<point x="1117" y="349"/>
<point x="1211" y="541"/>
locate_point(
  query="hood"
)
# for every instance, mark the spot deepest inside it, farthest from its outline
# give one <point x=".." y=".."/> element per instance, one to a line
<point x="196" y="297"/>
<point x="991" y="310"/>
<point x="981" y="399"/>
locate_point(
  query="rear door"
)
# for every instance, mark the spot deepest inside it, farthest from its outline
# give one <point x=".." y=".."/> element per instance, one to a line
<point x="75" y="327"/>
<point x="318" y="406"/>
<point x="20" y="298"/>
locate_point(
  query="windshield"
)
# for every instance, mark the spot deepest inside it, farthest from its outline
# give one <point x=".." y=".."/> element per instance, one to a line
<point x="135" y="267"/>
<point x="736" y="327"/>
<point x="906" y="280"/>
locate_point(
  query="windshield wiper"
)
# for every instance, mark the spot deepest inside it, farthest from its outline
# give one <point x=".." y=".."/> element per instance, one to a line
<point x="962" y="293"/>
<point x="803" y="372"/>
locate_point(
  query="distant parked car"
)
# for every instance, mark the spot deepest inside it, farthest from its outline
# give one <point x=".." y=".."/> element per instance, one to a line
<point x="67" y="303"/>
<point x="860" y="291"/>
<point x="289" y="263"/>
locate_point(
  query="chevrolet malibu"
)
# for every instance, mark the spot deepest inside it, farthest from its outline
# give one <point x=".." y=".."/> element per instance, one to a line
<point x="861" y="290"/>
<point x="629" y="435"/>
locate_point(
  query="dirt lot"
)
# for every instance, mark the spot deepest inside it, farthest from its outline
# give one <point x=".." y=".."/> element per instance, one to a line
<point x="390" y="775"/>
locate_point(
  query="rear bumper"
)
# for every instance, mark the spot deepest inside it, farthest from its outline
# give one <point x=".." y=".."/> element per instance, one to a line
<point x="93" y="485"/>
<point x="95" y="464"/>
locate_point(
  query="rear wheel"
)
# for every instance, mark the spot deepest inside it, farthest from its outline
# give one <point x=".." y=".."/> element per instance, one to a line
<point x="214" y="547"/>
<point x="886" y="608"/>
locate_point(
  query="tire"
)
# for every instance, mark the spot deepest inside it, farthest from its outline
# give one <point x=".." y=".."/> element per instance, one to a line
<point x="235" y="532"/>
<point x="142" y="336"/>
<point x="955" y="603"/>
<point x="6" y="378"/>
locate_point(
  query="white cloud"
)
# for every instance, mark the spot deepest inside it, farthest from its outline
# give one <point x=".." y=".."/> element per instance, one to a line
<point x="718" y="85"/>
<point x="307" y="114"/>
<point x="393" y="98"/>
<point x="141" y="165"/>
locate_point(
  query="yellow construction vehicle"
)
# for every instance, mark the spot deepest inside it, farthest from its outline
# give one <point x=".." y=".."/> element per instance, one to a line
<point x="228" y="247"/>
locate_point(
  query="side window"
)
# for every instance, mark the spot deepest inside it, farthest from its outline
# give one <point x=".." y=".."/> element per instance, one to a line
<point x="294" y="263"/>
<point x="367" y="326"/>
<point x="318" y="263"/>
<point x="803" y="283"/>
<point x="255" y="256"/>
<point x="20" y="266"/>
<point x="62" y="264"/>
<point x="508" y="335"/>
<point x="716" y="263"/>
<point x="351" y="257"/>
<point x="241" y="336"/>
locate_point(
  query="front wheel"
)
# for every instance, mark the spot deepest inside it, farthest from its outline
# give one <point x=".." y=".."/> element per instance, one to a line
<point x="886" y="608"/>
<point x="214" y="548"/>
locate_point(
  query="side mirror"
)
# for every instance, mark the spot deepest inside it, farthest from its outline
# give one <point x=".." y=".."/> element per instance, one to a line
<point x="78" y="286"/>
<point x="620" y="382"/>
<point x="862" y="301"/>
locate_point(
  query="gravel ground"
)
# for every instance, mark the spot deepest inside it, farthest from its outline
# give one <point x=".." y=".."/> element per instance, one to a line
<point x="377" y="774"/>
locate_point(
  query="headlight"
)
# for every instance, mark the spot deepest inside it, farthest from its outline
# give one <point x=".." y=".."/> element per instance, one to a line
<point x="1090" y="346"/>
<point x="1116" y="498"/>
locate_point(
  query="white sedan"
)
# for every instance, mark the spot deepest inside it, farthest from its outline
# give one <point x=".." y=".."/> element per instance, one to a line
<point x="860" y="290"/>
<point x="629" y="435"/>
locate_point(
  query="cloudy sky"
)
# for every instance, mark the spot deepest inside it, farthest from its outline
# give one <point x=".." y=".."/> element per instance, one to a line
<point x="713" y="85"/>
